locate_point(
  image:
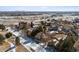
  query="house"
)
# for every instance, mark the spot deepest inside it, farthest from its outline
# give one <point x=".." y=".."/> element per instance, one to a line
<point x="50" y="39"/>
<point x="37" y="23"/>
<point x="22" y="25"/>
<point x="60" y="36"/>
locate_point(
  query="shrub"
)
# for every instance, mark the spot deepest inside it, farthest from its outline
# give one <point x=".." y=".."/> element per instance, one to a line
<point x="17" y="40"/>
<point x="2" y="26"/>
<point x="8" y="35"/>
<point x="1" y="38"/>
<point x="67" y="44"/>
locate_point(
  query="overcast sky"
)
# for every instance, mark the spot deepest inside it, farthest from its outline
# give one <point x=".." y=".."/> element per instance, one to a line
<point x="39" y="8"/>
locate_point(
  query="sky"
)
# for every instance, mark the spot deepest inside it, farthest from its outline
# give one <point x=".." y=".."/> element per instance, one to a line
<point x="39" y="8"/>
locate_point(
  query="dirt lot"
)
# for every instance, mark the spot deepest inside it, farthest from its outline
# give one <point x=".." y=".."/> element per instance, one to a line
<point x="4" y="46"/>
<point x="21" y="48"/>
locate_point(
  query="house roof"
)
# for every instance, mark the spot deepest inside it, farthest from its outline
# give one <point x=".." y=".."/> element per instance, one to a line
<point x="76" y="45"/>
